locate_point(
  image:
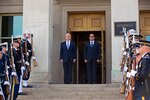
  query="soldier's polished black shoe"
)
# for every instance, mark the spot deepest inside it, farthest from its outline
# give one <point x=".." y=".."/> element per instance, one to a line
<point x="22" y="93"/>
<point x="28" y="86"/>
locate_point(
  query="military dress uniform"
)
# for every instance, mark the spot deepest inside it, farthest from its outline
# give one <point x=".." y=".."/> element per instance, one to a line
<point x="27" y="60"/>
<point x="3" y="73"/>
<point x="142" y="79"/>
<point x="17" y="59"/>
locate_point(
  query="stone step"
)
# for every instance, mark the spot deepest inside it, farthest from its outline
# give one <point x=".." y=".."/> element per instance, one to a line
<point x="44" y="91"/>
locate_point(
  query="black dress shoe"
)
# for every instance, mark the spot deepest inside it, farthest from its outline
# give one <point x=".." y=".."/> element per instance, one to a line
<point x="22" y="93"/>
<point x="28" y="86"/>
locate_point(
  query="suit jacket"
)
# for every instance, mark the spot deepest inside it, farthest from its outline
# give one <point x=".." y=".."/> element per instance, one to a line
<point x="142" y="79"/>
<point x="92" y="53"/>
<point x="67" y="54"/>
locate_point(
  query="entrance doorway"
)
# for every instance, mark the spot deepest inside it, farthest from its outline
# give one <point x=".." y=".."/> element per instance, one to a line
<point x="79" y="71"/>
<point x="145" y="24"/>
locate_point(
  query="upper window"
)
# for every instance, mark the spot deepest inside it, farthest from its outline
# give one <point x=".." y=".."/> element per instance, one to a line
<point x="11" y="25"/>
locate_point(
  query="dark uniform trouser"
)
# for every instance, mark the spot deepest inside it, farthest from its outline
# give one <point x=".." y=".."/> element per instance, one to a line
<point x="92" y="71"/>
<point x="67" y="72"/>
<point x="16" y="88"/>
<point x="4" y="90"/>
<point x="142" y="98"/>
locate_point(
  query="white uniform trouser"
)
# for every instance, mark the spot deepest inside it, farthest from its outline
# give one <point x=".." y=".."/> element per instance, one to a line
<point x="21" y="77"/>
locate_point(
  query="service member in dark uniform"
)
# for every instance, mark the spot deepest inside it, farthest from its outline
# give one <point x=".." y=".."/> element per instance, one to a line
<point x="2" y="74"/>
<point x="27" y="50"/>
<point x="142" y="77"/>
<point x="23" y="67"/>
<point x="17" y="60"/>
<point x="4" y="47"/>
<point x="92" y="57"/>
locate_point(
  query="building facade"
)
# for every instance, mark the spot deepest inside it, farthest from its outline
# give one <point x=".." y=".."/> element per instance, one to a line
<point x="50" y="20"/>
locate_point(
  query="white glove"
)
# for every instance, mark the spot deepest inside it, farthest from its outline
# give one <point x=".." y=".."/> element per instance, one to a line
<point x="29" y="50"/>
<point x="33" y="58"/>
<point x="23" y="68"/>
<point x="14" y="65"/>
<point x="128" y="74"/>
<point x="123" y="49"/>
<point x="125" y="68"/>
<point x="6" y="83"/>
<point x="27" y="63"/>
<point x="14" y="74"/>
<point x="8" y="67"/>
<point x="27" y="53"/>
<point x="124" y="53"/>
<point x="133" y="72"/>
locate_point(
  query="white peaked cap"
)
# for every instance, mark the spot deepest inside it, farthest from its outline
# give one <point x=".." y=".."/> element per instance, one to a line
<point x="18" y="36"/>
<point x="132" y="32"/>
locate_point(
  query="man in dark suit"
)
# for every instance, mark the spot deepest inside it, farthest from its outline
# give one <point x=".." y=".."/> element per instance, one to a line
<point x="68" y="57"/>
<point x="92" y="57"/>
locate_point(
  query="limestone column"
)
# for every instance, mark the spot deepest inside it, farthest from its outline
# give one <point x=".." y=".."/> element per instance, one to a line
<point x="37" y="19"/>
<point x="121" y="11"/>
<point x="0" y="28"/>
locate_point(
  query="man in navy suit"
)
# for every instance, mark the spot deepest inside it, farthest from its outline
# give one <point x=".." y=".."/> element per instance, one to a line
<point x="68" y="57"/>
<point x="92" y="57"/>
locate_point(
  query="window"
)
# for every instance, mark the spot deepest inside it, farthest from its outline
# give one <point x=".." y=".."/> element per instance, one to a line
<point x="11" y="25"/>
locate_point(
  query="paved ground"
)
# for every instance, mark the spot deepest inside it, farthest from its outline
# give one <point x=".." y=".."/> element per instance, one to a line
<point x="45" y="91"/>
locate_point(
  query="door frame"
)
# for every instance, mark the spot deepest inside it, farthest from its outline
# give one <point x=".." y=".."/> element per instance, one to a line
<point x="144" y="31"/>
<point x="95" y="8"/>
<point x="103" y="56"/>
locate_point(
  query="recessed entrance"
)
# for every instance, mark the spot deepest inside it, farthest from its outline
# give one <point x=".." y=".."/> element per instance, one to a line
<point x="79" y="71"/>
<point x="145" y="24"/>
<point x="80" y="26"/>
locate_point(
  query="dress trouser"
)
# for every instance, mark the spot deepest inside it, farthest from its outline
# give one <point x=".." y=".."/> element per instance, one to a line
<point x="92" y="72"/>
<point x="16" y="88"/>
<point x="67" y="72"/>
<point x="142" y="98"/>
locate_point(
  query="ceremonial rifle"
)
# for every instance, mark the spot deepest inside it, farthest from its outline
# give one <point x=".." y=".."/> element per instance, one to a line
<point x="6" y="82"/>
<point x="124" y="61"/>
<point x="33" y="55"/>
<point x="14" y="74"/>
<point x="26" y="55"/>
<point x="132" y="70"/>
<point x="23" y="66"/>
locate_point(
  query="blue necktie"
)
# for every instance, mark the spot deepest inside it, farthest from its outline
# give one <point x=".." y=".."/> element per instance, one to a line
<point x="91" y="44"/>
<point x="68" y="45"/>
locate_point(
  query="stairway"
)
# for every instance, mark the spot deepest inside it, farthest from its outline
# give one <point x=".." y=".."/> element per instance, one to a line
<point x="45" y="91"/>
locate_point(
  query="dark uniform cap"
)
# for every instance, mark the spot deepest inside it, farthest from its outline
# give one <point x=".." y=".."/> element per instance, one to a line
<point x="3" y="45"/>
<point x="15" y="41"/>
<point x="144" y="42"/>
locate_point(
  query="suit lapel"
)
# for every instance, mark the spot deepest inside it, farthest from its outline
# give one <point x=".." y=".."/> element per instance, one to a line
<point x="65" y="45"/>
